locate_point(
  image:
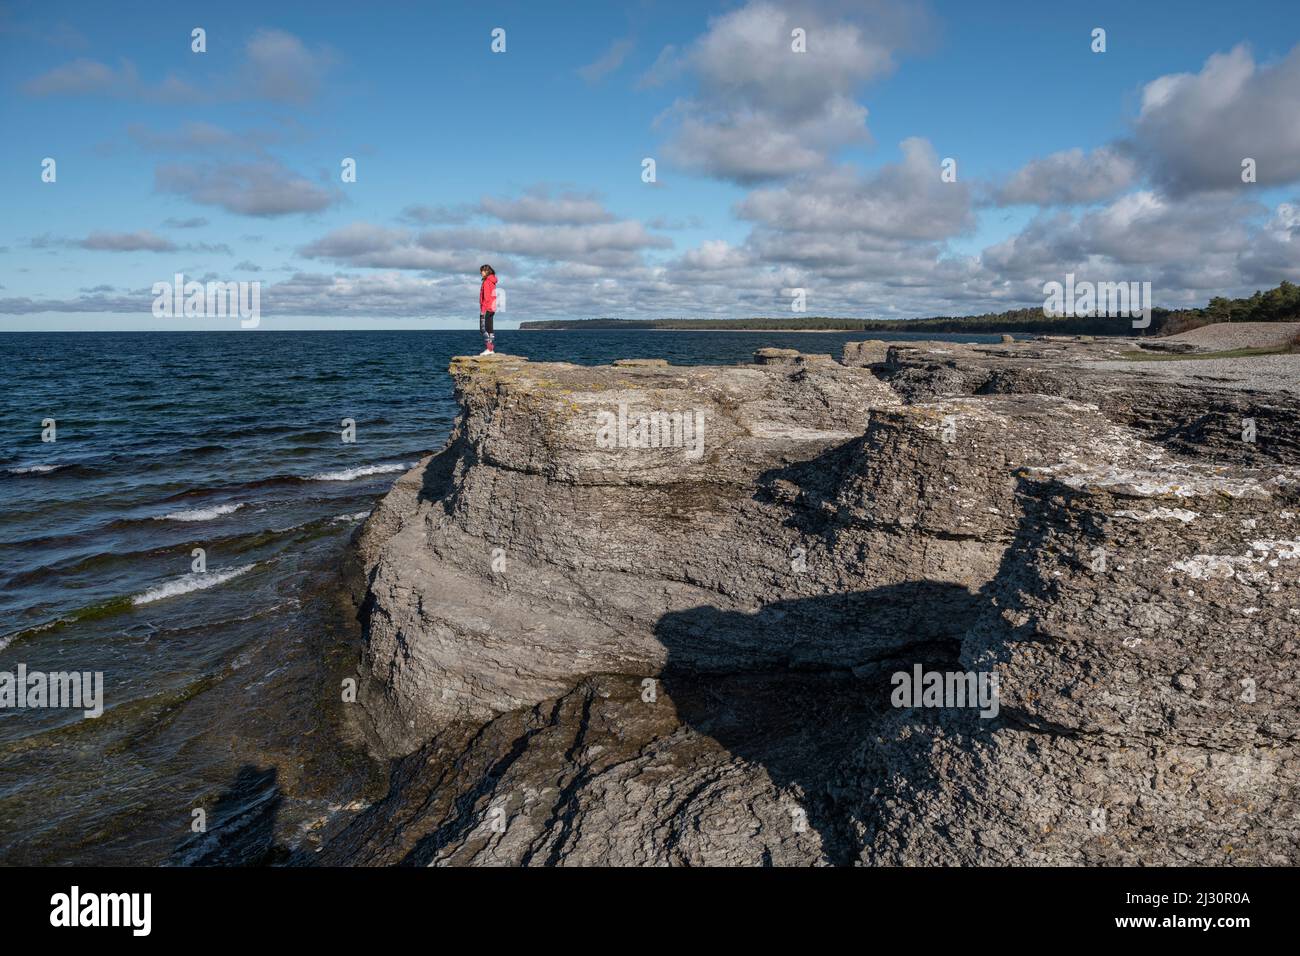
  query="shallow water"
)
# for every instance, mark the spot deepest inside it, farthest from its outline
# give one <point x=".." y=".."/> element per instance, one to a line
<point x="220" y="686"/>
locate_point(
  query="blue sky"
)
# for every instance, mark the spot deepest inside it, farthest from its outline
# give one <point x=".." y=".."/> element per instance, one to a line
<point x="775" y="170"/>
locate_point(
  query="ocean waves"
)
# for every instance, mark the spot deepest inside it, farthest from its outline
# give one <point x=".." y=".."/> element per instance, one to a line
<point x="191" y="582"/>
<point x="363" y="471"/>
<point x="201" y="514"/>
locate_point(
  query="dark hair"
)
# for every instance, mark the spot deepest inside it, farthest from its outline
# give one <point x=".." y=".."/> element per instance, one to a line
<point x="490" y="270"/>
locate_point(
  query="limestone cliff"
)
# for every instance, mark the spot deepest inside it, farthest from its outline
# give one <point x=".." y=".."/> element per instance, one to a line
<point x="645" y="614"/>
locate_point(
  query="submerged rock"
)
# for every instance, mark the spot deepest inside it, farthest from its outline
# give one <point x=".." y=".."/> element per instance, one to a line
<point x="645" y="614"/>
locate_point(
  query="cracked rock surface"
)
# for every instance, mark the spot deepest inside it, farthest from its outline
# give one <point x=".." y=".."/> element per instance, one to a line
<point x="675" y="643"/>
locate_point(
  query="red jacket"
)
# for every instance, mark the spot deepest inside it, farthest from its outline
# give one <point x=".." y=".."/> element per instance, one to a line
<point x="487" y="294"/>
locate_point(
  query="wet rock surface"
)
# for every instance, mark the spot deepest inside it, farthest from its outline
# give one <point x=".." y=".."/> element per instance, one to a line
<point x="651" y="615"/>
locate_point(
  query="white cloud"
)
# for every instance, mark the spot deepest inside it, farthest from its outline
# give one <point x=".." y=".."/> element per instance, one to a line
<point x="1071" y="176"/>
<point x="711" y="256"/>
<point x="906" y="200"/>
<point x="751" y="147"/>
<point x="540" y="225"/>
<point x="142" y="241"/>
<point x="540" y="206"/>
<point x="607" y="62"/>
<point x="279" y="66"/>
<point x="275" y="66"/>
<point x="83" y="77"/>
<point x="368" y="245"/>
<point x="265" y="188"/>
<point x="1194" y="129"/>
<point x="763" y="111"/>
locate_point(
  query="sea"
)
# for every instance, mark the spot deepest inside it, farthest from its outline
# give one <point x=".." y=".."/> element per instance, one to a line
<point x="175" y="510"/>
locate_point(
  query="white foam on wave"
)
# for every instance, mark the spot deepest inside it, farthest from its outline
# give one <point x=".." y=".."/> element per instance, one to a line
<point x="8" y="639"/>
<point x="200" y="514"/>
<point x="34" y="469"/>
<point x="352" y="517"/>
<point x="362" y="471"/>
<point x="191" y="582"/>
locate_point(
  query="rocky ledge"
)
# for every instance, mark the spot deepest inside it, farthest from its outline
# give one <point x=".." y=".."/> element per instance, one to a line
<point x="645" y="614"/>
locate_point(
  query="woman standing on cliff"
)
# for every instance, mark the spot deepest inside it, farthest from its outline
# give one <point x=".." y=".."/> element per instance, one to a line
<point x="487" y="307"/>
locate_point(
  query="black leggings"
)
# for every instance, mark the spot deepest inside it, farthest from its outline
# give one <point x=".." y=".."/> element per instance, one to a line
<point x="485" y="322"/>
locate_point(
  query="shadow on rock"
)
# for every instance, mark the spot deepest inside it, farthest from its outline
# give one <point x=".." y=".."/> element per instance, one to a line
<point x="805" y="719"/>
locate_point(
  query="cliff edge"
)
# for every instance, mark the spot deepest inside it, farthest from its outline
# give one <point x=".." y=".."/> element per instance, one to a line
<point x="645" y="614"/>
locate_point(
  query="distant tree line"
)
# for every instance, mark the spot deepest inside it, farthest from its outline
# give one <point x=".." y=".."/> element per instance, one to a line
<point x="1276" y="305"/>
